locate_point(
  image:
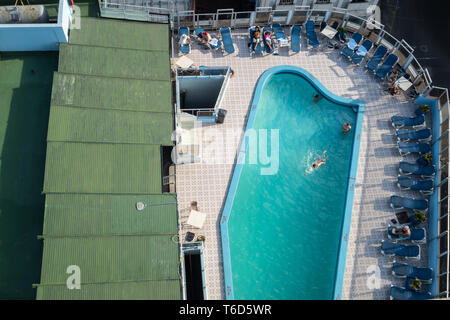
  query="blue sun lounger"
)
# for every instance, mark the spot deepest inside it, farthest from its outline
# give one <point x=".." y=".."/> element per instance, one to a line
<point x="423" y="135"/>
<point x="417" y="235"/>
<point x="425" y="171"/>
<point x="296" y="32"/>
<point x="350" y="48"/>
<point x="376" y="58"/>
<point x="359" y="55"/>
<point x="266" y="47"/>
<point x="228" y="45"/>
<point x="410" y="147"/>
<point x="408" y="183"/>
<point x="398" y="293"/>
<point x="311" y="34"/>
<point x="408" y="203"/>
<point x="186" y="48"/>
<point x="279" y="35"/>
<point x="403" y="270"/>
<point x="414" y="122"/>
<point x="394" y="249"/>
<point x="258" y="48"/>
<point x="387" y="66"/>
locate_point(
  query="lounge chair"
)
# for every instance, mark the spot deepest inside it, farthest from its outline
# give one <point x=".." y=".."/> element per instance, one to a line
<point x="403" y="270"/>
<point x="394" y="249"/>
<point x="387" y="66"/>
<point x="296" y="32"/>
<point x="186" y="48"/>
<point x="311" y="34"/>
<point x="359" y="55"/>
<point x="425" y="171"/>
<point x="376" y="58"/>
<point x="408" y="183"/>
<point x="408" y="203"/>
<point x="279" y="35"/>
<point x="211" y="45"/>
<point x="258" y="48"/>
<point x="228" y="45"/>
<point x="414" y="122"/>
<point x="350" y="48"/>
<point x="417" y="235"/>
<point x="266" y="47"/>
<point x="420" y="135"/>
<point x="406" y="148"/>
<point x="398" y="293"/>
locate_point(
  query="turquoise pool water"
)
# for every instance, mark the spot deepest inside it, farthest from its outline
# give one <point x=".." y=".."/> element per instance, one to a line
<point x="284" y="230"/>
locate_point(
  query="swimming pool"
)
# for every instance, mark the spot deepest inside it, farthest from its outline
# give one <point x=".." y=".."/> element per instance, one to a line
<point x="284" y="235"/>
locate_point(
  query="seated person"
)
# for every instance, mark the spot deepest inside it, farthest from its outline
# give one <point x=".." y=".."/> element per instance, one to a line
<point x="268" y="39"/>
<point x="185" y="39"/>
<point x="205" y="38"/>
<point x="255" y="38"/>
<point x="402" y="232"/>
<point x="393" y="86"/>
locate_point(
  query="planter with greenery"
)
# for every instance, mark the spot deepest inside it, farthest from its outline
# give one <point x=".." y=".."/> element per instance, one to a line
<point x="418" y="217"/>
<point x="415" y="284"/>
<point x="425" y="108"/>
<point x="427" y="157"/>
<point x="201" y="238"/>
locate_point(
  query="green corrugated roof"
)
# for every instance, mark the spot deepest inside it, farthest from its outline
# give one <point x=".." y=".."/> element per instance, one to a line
<point x="142" y="290"/>
<point x="112" y="126"/>
<point x="102" y="168"/>
<point x="117" y="34"/>
<point x="88" y="214"/>
<point x="113" y="62"/>
<point x="111" y="93"/>
<point x="111" y="112"/>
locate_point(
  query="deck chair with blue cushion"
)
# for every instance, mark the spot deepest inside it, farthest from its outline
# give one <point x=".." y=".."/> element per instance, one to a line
<point x="414" y="122"/>
<point x="350" y="48"/>
<point x="403" y="270"/>
<point x="199" y="30"/>
<point x="406" y="148"/>
<point x="423" y="135"/>
<point x="408" y="183"/>
<point x="394" y="249"/>
<point x="296" y="32"/>
<point x="228" y="45"/>
<point x="425" y="171"/>
<point x="279" y="35"/>
<point x="186" y="48"/>
<point x="387" y="66"/>
<point x="379" y="54"/>
<point x="311" y="34"/>
<point x="258" y="48"/>
<point x="359" y="55"/>
<point x="398" y="293"/>
<point x="409" y="203"/>
<point x="418" y="235"/>
<point x="266" y="47"/>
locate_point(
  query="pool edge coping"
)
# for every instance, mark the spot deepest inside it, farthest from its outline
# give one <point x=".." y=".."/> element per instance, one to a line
<point x="231" y="191"/>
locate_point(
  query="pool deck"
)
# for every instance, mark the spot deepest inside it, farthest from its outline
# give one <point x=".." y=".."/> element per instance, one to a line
<point x="376" y="180"/>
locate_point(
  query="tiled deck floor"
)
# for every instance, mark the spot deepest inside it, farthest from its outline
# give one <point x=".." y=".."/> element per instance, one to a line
<point x="377" y="169"/>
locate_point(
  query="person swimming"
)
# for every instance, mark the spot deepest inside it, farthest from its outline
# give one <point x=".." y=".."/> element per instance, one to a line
<point x="346" y="127"/>
<point x="319" y="161"/>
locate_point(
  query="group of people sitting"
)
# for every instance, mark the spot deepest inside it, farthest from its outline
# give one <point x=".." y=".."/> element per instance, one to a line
<point x="256" y="38"/>
<point x="204" y="37"/>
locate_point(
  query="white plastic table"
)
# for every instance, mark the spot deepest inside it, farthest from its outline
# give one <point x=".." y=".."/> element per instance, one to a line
<point x="329" y="32"/>
<point x="196" y="219"/>
<point x="403" y="83"/>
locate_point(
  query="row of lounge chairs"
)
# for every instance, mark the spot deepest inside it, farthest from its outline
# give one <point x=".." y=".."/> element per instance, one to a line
<point x="410" y="141"/>
<point x="356" y="54"/>
<point x="226" y="43"/>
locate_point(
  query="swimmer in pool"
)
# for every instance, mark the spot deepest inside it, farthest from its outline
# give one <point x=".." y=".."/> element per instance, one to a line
<point x="319" y="161"/>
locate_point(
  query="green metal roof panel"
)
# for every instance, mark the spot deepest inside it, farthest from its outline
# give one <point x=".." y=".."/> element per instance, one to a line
<point x="112" y="126"/>
<point x="102" y="168"/>
<point x="116" y="34"/>
<point x="111" y="259"/>
<point x="111" y="93"/>
<point x="143" y="290"/>
<point x="114" y="62"/>
<point x="93" y="214"/>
